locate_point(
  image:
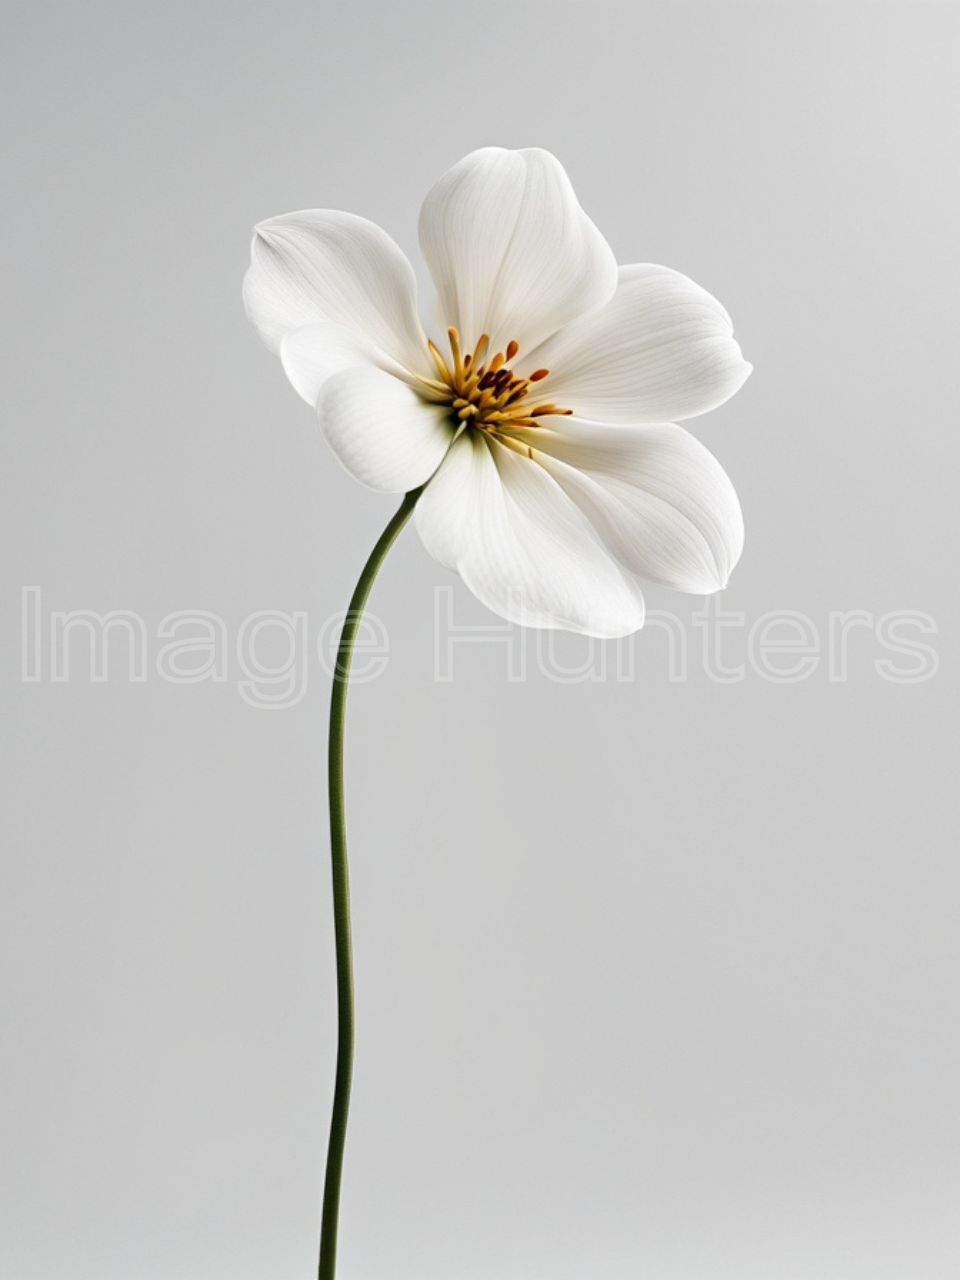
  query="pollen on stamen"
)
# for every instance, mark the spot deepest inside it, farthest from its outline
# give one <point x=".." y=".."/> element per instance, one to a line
<point x="439" y="361"/>
<point x="487" y="395"/>
<point x="455" y="348"/>
<point x="548" y="410"/>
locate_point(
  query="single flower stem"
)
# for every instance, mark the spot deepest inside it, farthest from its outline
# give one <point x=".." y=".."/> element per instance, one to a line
<point x="341" y="890"/>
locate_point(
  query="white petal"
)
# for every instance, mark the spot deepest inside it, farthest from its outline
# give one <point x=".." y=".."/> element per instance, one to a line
<point x="323" y="265"/>
<point x="315" y="352"/>
<point x="520" y="544"/>
<point x="659" y="500"/>
<point x="511" y="252"/>
<point x="660" y="350"/>
<point x="381" y="430"/>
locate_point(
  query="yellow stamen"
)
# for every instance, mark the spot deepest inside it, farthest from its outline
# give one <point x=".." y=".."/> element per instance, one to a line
<point x="487" y="395"/>
<point x="441" y="364"/>
<point x="455" y="348"/>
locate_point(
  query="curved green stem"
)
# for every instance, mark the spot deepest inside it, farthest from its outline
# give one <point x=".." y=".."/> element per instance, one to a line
<point x="341" y="890"/>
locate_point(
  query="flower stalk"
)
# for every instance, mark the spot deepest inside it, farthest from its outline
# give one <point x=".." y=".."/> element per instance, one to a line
<point x="341" y="889"/>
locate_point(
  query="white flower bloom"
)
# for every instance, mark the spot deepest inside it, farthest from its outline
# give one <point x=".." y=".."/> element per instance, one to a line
<point x="559" y="472"/>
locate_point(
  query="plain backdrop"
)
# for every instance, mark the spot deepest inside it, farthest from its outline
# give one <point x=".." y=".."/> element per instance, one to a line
<point x="657" y="979"/>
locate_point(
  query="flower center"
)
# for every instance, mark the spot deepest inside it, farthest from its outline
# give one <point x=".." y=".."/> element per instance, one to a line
<point x="484" y="392"/>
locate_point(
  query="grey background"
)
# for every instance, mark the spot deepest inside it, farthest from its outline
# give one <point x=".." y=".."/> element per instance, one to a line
<point x="655" y="979"/>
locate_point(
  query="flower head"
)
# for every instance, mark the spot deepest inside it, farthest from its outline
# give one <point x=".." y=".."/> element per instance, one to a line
<point x="544" y="418"/>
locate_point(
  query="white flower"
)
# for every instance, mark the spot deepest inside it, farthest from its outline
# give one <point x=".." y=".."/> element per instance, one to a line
<point x="549" y="424"/>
